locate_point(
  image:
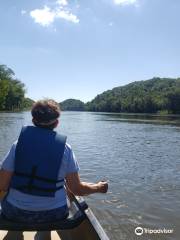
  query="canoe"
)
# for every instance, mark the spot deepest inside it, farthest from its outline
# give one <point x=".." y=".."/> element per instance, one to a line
<point x="80" y="225"/>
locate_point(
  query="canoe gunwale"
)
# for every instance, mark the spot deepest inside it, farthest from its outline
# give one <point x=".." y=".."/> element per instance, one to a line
<point x="93" y="221"/>
<point x="96" y="225"/>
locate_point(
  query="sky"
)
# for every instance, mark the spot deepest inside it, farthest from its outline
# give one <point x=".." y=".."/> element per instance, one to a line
<point x="77" y="49"/>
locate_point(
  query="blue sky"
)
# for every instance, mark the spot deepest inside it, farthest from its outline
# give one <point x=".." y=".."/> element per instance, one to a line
<point x="78" y="49"/>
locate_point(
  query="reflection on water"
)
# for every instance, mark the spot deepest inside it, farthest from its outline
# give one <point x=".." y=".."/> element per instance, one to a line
<point x="141" y="162"/>
<point x="142" y="118"/>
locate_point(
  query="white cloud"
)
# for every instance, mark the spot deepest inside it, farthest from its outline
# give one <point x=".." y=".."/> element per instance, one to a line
<point x="62" y="2"/>
<point x="47" y="16"/>
<point x="125" y="2"/>
<point x="65" y="14"/>
<point x="43" y="16"/>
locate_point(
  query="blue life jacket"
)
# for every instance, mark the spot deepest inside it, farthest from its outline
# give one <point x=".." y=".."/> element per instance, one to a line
<point x="38" y="158"/>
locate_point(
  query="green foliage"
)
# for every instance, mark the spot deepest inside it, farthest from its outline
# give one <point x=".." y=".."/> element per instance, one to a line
<point x="12" y="90"/>
<point x="72" y="105"/>
<point x="27" y="103"/>
<point x="150" y="96"/>
<point x="15" y="96"/>
<point x="4" y="87"/>
<point x="160" y="95"/>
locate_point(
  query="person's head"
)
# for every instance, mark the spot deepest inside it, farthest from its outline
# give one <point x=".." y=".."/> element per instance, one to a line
<point x="45" y="113"/>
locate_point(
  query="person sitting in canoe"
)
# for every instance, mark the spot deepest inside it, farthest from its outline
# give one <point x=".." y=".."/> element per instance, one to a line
<point x="36" y="169"/>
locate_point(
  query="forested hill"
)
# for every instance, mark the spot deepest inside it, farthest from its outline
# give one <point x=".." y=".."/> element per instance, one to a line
<point x="72" y="105"/>
<point x="12" y="91"/>
<point x="150" y="96"/>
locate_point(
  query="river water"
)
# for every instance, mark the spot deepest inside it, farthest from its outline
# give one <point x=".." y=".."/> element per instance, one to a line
<point x="140" y="157"/>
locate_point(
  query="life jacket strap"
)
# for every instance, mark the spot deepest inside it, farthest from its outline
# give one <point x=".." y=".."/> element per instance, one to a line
<point x="20" y="174"/>
<point x="30" y="185"/>
<point x="33" y="187"/>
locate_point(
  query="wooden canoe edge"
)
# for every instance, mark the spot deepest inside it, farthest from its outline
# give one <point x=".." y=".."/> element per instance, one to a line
<point x="96" y="225"/>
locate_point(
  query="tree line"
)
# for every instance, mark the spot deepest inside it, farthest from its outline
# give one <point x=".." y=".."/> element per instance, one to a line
<point x="150" y="96"/>
<point x="12" y="91"/>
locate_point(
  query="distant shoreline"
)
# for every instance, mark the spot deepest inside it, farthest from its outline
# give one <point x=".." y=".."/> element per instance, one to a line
<point x="15" y="111"/>
<point x="126" y="113"/>
<point x="113" y="113"/>
<point x="155" y="96"/>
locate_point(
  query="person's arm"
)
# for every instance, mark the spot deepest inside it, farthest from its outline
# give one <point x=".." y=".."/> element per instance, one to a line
<point x="7" y="168"/>
<point x="79" y="188"/>
<point x="5" y="178"/>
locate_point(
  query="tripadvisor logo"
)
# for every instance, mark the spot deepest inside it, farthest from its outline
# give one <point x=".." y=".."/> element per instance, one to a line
<point x="139" y="231"/>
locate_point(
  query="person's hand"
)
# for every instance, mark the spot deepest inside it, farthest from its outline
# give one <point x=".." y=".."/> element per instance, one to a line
<point x="102" y="186"/>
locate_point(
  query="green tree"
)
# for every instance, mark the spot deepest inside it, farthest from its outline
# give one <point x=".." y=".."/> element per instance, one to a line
<point x="173" y="102"/>
<point x="150" y="96"/>
<point x="12" y="90"/>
